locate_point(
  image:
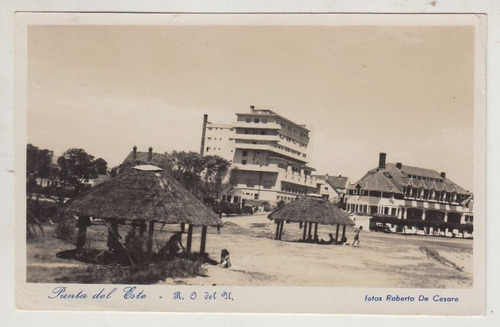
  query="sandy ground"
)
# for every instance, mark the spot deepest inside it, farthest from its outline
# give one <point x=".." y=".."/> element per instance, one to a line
<point x="382" y="260"/>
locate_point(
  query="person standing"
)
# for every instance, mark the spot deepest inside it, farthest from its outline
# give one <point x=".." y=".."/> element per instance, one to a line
<point x="356" y="235"/>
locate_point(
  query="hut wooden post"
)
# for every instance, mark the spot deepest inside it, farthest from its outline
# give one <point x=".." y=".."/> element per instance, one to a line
<point x="189" y="239"/>
<point x="337" y="234"/>
<point x="281" y="228"/>
<point x="305" y="232"/>
<point x="142" y="228"/>
<point x="82" y="224"/>
<point x="151" y="232"/>
<point x="315" y="230"/>
<point x="203" y="239"/>
<point x="343" y="232"/>
<point x="310" y="228"/>
<point x="113" y="237"/>
<point x="80" y="239"/>
<point x="277" y="229"/>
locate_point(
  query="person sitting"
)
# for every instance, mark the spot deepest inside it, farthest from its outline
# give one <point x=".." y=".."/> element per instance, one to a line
<point x="330" y="241"/>
<point x="224" y="259"/>
<point x="172" y="247"/>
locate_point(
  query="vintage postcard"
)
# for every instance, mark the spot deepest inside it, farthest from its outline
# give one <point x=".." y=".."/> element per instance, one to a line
<point x="277" y="163"/>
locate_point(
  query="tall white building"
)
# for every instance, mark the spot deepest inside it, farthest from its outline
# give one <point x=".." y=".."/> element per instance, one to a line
<point x="268" y="153"/>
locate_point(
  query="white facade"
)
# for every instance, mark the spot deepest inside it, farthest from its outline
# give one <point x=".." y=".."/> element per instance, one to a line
<point x="269" y="155"/>
<point x="219" y="141"/>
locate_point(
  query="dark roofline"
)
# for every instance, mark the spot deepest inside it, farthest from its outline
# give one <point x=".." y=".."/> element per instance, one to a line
<point x="300" y="126"/>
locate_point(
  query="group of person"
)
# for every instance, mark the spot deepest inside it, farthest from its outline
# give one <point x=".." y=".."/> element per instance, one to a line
<point x="331" y="240"/>
<point x="173" y="247"/>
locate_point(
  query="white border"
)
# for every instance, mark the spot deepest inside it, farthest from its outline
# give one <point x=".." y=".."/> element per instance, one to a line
<point x="6" y="232"/>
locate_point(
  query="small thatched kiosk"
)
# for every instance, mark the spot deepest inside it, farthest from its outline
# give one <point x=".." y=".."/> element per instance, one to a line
<point x="309" y="210"/>
<point x="139" y="195"/>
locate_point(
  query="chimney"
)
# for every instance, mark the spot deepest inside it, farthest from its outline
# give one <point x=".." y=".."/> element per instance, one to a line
<point x="150" y="154"/>
<point x="252" y="108"/>
<point x="399" y="165"/>
<point x="135" y="152"/>
<point x="203" y="132"/>
<point x="443" y="175"/>
<point x="327" y="176"/>
<point x="381" y="160"/>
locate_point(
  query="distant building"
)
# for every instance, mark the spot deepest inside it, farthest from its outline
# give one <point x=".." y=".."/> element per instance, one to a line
<point x="410" y="193"/>
<point x="268" y="153"/>
<point x="334" y="188"/>
<point x="142" y="156"/>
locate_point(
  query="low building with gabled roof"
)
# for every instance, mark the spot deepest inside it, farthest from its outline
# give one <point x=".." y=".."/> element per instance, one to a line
<point x="333" y="188"/>
<point x="412" y="194"/>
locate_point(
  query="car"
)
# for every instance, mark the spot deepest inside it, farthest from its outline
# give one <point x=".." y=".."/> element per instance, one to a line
<point x="379" y="227"/>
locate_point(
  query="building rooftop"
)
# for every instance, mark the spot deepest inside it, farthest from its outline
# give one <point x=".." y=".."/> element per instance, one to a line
<point x="394" y="177"/>
<point x="143" y="156"/>
<point x="267" y="112"/>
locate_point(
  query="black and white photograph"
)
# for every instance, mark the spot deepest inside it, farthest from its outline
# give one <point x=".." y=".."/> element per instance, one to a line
<point x="218" y="154"/>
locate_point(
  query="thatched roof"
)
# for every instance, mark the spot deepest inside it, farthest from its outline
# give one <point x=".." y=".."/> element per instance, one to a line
<point x="142" y="193"/>
<point x="311" y="210"/>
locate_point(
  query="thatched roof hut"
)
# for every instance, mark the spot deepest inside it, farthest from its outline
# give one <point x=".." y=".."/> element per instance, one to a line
<point x="310" y="210"/>
<point x="144" y="193"/>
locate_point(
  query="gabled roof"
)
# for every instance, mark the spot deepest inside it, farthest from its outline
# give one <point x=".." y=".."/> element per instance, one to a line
<point x="415" y="177"/>
<point x="338" y="181"/>
<point x="379" y="181"/>
<point x="230" y="190"/>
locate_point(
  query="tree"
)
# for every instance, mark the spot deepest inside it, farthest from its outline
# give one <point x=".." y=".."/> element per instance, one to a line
<point x="38" y="167"/>
<point x="216" y="170"/>
<point x="202" y="176"/>
<point x="78" y="167"/>
<point x="101" y="166"/>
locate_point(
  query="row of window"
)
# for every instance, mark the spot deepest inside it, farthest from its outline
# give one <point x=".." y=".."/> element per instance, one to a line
<point x="425" y="178"/>
<point x="256" y="132"/>
<point x="285" y="198"/>
<point x="431" y="194"/>
<point x="363" y="208"/>
<point x="302" y="145"/>
<point x="219" y="128"/>
<point x="419" y="193"/>
<point x="256" y="120"/>
<point x="215" y="139"/>
<point x="284" y="148"/>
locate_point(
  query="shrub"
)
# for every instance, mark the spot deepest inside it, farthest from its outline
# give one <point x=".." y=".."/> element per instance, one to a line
<point x="66" y="231"/>
<point x="155" y="272"/>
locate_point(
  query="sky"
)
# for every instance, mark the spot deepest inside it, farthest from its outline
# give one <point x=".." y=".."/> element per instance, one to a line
<point x="404" y="90"/>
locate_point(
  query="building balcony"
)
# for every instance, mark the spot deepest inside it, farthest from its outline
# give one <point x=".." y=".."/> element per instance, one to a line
<point x="257" y="137"/>
<point x="242" y="124"/>
<point x="291" y="145"/>
<point x="300" y="179"/>
<point x="267" y="147"/>
<point x="267" y="169"/>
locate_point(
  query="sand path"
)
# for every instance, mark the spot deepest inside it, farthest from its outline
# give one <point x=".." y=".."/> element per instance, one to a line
<point x="382" y="260"/>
